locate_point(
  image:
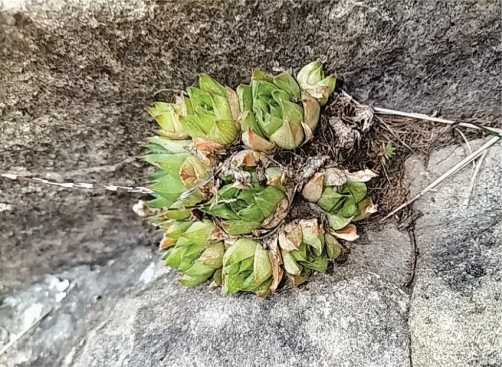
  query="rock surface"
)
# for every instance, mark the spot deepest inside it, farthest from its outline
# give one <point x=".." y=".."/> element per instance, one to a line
<point x="76" y="76"/>
<point x="457" y="297"/>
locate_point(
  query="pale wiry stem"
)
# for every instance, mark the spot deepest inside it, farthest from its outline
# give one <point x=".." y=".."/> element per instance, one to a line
<point x="473" y="179"/>
<point x="450" y="172"/>
<point x="419" y="116"/>
<point x="77" y="185"/>
<point x="22" y="333"/>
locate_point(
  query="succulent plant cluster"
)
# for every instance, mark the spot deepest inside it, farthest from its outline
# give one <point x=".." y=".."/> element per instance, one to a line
<point x="222" y="200"/>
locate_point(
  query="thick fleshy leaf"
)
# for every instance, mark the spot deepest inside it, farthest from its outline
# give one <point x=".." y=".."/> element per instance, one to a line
<point x="358" y="190"/>
<point x="337" y="221"/>
<point x="191" y="280"/>
<point x="263" y="290"/>
<point x="268" y="199"/>
<point x="191" y="126"/>
<point x="242" y="249"/>
<point x="169" y="186"/>
<point x="311" y="73"/>
<point x="348" y="209"/>
<point x="210" y="85"/>
<point x="262" y="268"/>
<point x="290" y="264"/>
<point x="270" y="124"/>
<point x="223" y="132"/>
<point x="177" y="214"/>
<point x="257" y="74"/>
<point x="213" y="255"/>
<point x="221" y="211"/>
<point x="233" y="101"/>
<point x="170" y="162"/>
<point x="331" y="200"/>
<point x="167" y="116"/>
<point x="249" y="122"/>
<point x="299" y="279"/>
<point x="174" y="256"/>
<point x="278" y="95"/>
<point x="312" y="233"/>
<point x="245" y="98"/>
<point x="199" y="232"/>
<point x="287" y="83"/>
<point x="292" y="112"/>
<point x="330" y="82"/>
<point x="251" y="213"/>
<point x="319" y="264"/>
<point x="236" y="227"/>
<point x="280" y="212"/>
<point x="284" y="137"/>
<point x="172" y="146"/>
<point x="333" y="248"/>
<point x="221" y="108"/>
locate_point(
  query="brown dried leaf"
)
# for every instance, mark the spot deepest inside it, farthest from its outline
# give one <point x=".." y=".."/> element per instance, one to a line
<point x="291" y="236"/>
<point x="248" y="158"/>
<point x="166" y="242"/>
<point x="280" y="212"/>
<point x="276" y="259"/>
<point x="348" y="233"/>
<point x="360" y="176"/>
<point x="254" y="141"/>
<point x="334" y="177"/>
<point x="312" y="190"/>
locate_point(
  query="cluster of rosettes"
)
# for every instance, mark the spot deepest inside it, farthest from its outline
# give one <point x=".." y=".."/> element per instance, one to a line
<point x="222" y="200"/>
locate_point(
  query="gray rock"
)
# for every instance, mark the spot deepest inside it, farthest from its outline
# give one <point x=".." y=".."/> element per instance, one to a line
<point x="456" y="302"/>
<point x="358" y="322"/>
<point x="76" y="77"/>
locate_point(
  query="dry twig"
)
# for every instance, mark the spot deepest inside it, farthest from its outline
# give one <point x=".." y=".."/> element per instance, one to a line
<point x="450" y="172"/>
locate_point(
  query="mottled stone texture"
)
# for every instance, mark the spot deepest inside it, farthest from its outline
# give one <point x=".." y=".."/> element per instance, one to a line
<point x="76" y="77"/>
<point x="457" y="299"/>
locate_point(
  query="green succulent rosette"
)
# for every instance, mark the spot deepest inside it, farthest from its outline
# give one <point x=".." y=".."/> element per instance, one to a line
<point x="276" y="112"/>
<point x="192" y="254"/>
<point x="243" y="209"/>
<point x="313" y="81"/>
<point x="178" y="171"/>
<point x="247" y="267"/>
<point x="306" y="248"/>
<point x="343" y="196"/>
<point x="209" y="113"/>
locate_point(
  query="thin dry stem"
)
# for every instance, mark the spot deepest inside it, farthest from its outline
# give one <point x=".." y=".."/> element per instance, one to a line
<point x="473" y="179"/>
<point x="449" y="173"/>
